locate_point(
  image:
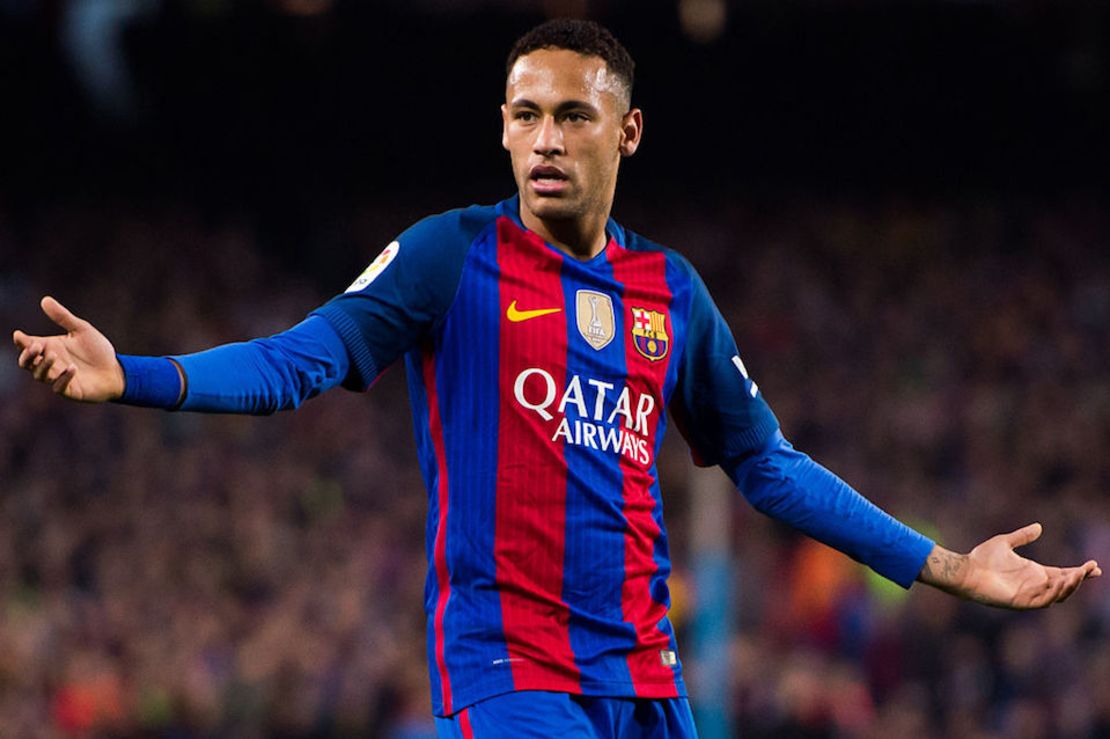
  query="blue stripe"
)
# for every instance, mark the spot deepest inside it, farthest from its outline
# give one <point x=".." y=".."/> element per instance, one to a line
<point x="467" y="382"/>
<point x="595" y="525"/>
<point x="679" y="285"/>
<point x="425" y="452"/>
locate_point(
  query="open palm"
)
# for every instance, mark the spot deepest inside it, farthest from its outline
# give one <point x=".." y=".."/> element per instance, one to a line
<point x="999" y="576"/>
<point x="79" y="364"/>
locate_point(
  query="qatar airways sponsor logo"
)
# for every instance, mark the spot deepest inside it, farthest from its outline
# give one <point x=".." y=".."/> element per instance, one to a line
<point x="607" y="420"/>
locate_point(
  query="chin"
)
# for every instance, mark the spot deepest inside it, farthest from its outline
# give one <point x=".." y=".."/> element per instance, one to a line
<point x="552" y="208"/>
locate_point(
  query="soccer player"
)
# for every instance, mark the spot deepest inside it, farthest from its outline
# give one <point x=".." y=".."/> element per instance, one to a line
<point x="542" y="342"/>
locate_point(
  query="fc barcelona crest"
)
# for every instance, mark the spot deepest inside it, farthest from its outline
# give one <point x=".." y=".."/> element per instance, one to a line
<point x="649" y="333"/>
<point x="594" y="314"/>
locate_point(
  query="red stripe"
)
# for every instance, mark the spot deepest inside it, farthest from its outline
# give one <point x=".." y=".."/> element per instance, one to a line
<point x="530" y="527"/>
<point x="443" y="576"/>
<point x="464" y="724"/>
<point x="643" y="275"/>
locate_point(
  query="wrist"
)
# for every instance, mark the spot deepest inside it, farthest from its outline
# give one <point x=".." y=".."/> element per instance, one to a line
<point x="120" y="383"/>
<point x="149" y="382"/>
<point x="946" y="570"/>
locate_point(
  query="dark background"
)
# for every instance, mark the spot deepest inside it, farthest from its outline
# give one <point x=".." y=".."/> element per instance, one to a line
<point x="245" y="107"/>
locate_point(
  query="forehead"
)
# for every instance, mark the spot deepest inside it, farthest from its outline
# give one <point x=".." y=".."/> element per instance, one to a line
<point x="548" y="75"/>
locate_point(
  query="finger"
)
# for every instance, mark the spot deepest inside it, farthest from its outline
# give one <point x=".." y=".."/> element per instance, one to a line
<point x="21" y="339"/>
<point x="1091" y="569"/>
<point x="45" y="371"/>
<point x="55" y="371"/>
<point x="1080" y="575"/>
<point x="1051" y="592"/>
<point x="42" y="369"/>
<point x="1024" y="535"/>
<point x="28" y="356"/>
<point x="1067" y="592"/>
<point x="59" y="314"/>
<point x="1074" y="580"/>
<point x="64" y="379"/>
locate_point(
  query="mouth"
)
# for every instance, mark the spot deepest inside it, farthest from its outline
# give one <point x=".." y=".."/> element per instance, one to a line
<point x="547" y="179"/>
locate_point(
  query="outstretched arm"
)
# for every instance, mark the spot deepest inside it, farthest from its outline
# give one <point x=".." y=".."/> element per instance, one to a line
<point x="791" y="487"/>
<point x="349" y="340"/>
<point x="259" y="376"/>
<point x="726" y="420"/>
<point x="994" y="574"/>
<point x="80" y="364"/>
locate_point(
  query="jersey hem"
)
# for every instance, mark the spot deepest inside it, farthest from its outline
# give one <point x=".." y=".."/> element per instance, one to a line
<point x="674" y="688"/>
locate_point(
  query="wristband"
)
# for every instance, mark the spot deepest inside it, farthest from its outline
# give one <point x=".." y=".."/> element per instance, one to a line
<point x="150" y="382"/>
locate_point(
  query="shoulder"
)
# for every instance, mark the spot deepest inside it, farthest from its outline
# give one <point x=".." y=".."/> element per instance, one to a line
<point x="434" y="245"/>
<point x="453" y="227"/>
<point x="428" y="254"/>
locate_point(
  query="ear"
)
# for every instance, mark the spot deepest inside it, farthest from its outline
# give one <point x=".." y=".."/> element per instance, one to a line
<point x="632" y="128"/>
<point x="504" y="127"/>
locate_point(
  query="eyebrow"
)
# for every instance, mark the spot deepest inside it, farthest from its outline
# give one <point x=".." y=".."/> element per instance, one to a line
<point x="561" y="108"/>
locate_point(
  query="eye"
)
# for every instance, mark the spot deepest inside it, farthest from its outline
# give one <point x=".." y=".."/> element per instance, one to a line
<point x="524" y="116"/>
<point x="577" y="117"/>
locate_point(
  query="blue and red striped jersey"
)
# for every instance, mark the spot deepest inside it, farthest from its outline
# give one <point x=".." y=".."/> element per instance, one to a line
<point x="538" y="385"/>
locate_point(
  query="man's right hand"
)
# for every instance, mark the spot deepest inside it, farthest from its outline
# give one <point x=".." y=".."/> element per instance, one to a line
<point x="80" y="364"/>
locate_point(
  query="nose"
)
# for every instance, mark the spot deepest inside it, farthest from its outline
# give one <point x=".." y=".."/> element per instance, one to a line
<point x="549" y="138"/>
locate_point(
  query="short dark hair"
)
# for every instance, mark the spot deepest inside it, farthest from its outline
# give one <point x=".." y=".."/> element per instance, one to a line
<point x="585" y="37"/>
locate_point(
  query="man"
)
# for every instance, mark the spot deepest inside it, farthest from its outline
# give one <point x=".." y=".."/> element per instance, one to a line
<point x="543" y="342"/>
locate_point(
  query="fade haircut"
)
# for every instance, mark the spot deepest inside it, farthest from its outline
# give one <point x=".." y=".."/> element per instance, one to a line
<point x="585" y="37"/>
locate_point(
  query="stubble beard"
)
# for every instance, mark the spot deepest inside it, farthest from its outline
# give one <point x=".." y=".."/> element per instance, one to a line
<point x="555" y="210"/>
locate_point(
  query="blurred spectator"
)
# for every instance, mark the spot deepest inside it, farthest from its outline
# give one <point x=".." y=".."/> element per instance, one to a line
<point x="187" y="576"/>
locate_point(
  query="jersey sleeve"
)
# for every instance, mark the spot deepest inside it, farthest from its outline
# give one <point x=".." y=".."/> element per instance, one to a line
<point x="727" y="422"/>
<point x="790" y="487"/>
<point x="401" y="296"/>
<point x="717" y="406"/>
<point x="262" y="376"/>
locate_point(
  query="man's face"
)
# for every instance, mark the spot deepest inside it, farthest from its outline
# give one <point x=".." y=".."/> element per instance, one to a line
<point x="566" y="126"/>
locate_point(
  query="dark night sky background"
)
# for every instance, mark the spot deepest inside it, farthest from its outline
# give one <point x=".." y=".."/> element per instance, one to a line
<point x="935" y="95"/>
<point x="297" y="119"/>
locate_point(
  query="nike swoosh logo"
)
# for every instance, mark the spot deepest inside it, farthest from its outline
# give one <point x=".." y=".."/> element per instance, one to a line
<point x="516" y="316"/>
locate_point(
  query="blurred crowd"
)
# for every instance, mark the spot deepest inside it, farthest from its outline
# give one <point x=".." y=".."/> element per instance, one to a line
<point x="209" y="576"/>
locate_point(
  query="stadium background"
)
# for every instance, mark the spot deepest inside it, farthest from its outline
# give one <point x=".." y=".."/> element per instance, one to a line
<point x="900" y="206"/>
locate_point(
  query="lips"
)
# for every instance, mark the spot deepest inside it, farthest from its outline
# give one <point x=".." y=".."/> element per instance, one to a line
<point x="547" y="172"/>
<point x="548" y="179"/>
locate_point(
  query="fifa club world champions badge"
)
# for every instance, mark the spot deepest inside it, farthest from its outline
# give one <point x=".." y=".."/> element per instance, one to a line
<point x="596" y="321"/>
<point x="649" y="333"/>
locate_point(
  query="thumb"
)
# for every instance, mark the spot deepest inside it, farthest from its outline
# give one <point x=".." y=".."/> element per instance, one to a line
<point x="59" y="314"/>
<point x="1024" y="535"/>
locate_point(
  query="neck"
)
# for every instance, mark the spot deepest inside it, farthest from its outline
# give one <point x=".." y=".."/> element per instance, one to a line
<point x="582" y="238"/>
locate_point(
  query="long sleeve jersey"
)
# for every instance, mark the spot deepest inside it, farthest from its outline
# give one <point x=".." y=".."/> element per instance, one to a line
<point x="538" y="385"/>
